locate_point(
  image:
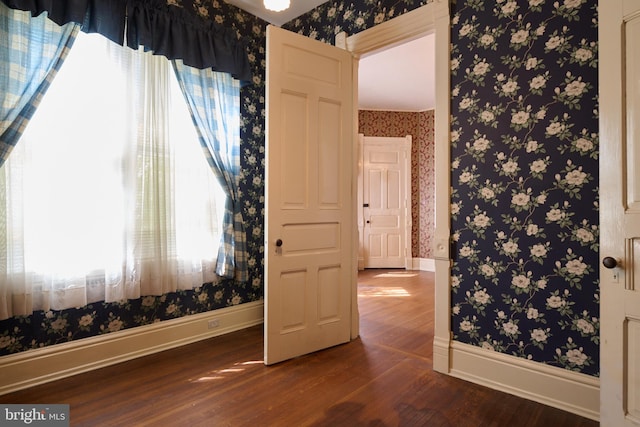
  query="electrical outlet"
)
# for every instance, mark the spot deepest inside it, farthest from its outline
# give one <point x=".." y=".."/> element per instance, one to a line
<point x="213" y="323"/>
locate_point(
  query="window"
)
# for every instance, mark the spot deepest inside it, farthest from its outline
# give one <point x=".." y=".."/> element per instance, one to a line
<point x="108" y="194"/>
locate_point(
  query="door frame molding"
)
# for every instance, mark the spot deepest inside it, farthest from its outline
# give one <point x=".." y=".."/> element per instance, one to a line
<point x="432" y="18"/>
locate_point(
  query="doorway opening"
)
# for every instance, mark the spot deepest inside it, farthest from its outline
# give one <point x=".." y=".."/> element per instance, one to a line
<point x="432" y="18"/>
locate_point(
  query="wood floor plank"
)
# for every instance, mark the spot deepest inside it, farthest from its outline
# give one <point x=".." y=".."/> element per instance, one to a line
<point x="383" y="378"/>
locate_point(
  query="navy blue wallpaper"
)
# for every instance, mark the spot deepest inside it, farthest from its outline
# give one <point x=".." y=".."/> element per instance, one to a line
<point x="52" y="327"/>
<point x="525" y="179"/>
<point x="333" y="17"/>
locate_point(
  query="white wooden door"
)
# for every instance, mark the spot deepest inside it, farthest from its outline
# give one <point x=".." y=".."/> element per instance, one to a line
<point x="386" y="204"/>
<point x="619" y="85"/>
<point x="309" y="256"/>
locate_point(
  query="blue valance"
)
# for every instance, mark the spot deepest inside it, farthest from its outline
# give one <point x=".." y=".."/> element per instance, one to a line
<point x="172" y="28"/>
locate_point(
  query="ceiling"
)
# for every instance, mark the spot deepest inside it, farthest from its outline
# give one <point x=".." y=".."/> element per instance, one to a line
<point x="401" y="78"/>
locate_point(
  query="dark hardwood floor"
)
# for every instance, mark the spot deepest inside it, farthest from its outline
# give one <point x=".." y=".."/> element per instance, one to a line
<point x="384" y="378"/>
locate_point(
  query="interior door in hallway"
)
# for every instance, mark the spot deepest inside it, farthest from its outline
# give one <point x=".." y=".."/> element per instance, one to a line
<point x="310" y="209"/>
<point x="386" y="202"/>
<point x="619" y="71"/>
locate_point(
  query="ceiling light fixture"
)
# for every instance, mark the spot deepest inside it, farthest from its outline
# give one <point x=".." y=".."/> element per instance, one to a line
<point x="277" y="5"/>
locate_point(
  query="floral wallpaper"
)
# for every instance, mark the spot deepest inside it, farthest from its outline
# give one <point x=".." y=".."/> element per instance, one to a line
<point x="41" y="329"/>
<point x="420" y="125"/>
<point x="524" y="151"/>
<point x="353" y="16"/>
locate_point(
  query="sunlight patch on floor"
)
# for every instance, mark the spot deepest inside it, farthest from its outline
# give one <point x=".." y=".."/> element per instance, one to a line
<point x="219" y="374"/>
<point x="397" y="274"/>
<point x="382" y="291"/>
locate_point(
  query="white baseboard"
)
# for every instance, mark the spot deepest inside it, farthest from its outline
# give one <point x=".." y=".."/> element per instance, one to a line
<point x="424" y="264"/>
<point x="560" y="388"/>
<point x="46" y="364"/>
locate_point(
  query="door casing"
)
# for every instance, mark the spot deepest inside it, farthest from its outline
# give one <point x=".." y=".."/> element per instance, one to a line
<point x="432" y="18"/>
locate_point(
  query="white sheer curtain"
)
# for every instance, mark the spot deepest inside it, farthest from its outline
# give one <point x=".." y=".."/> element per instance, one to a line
<point x="108" y="195"/>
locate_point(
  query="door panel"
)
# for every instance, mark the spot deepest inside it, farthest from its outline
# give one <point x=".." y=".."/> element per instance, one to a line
<point x="309" y="204"/>
<point x="329" y="296"/>
<point x="619" y="31"/>
<point x="294" y="147"/>
<point x="330" y="188"/>
<point x="631" y="147"/>
<point x="293" y="295"/>
<point x="633" y="349"/>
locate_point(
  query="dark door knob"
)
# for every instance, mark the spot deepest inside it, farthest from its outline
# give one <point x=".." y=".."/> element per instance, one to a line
<point x="609" y="262"/>
<point x="279" y="242"/>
